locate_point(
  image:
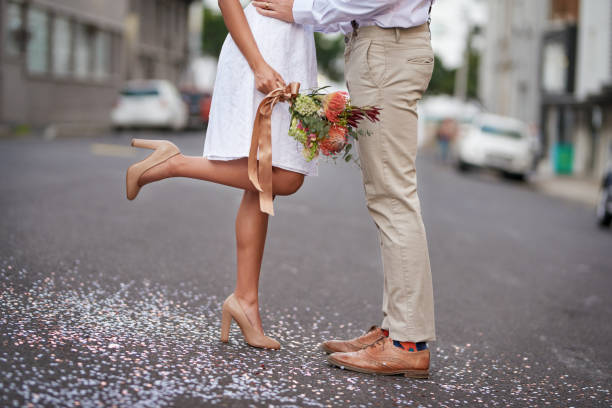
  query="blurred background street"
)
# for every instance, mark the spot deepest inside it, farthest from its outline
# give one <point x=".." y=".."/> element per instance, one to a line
<point x="107" y="302"/>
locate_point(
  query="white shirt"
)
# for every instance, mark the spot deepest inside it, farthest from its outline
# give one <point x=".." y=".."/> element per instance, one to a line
<point x="336" y="15"/>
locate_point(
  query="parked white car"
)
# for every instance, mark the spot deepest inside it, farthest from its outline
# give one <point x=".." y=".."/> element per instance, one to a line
<point x="497" y="142"/>
<point x="150" y="103"/>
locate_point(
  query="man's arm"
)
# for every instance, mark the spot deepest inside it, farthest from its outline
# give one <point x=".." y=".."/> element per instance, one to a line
<point x="322" y="12"/>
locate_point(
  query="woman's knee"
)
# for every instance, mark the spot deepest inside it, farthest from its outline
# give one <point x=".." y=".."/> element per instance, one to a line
<point x="290" y="183"/>
<point x="297" y="183"/>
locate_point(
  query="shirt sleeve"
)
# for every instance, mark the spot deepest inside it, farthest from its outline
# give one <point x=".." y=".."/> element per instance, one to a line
<point x="319" y="13"/>
<point x="327" y="29"/>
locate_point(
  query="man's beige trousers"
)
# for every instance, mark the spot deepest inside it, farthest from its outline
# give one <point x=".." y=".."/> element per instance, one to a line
<point x="391" y="68"/>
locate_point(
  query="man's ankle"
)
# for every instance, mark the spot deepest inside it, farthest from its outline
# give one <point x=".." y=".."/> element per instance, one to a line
<point x="407" y="345"/>
<point x="410" y="346"/>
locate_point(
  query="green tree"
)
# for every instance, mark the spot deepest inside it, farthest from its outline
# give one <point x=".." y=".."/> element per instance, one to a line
<point x="213" y="32"/>
<point x="474" y="60"/>
<point x="442" y="79"/>
<point x="329" y="49"/>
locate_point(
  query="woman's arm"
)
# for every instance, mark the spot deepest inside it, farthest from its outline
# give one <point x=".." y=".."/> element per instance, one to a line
<point x="321" y="13"/>
<point x="266" y="78"/>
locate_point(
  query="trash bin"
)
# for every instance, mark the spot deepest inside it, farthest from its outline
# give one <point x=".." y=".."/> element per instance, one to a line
<point x="563" y="158"/>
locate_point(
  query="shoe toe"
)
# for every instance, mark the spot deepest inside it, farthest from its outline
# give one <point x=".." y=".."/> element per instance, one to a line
<point x="330" y="346"/>
<point x="270" y="343"/>
<point x="275" y="345"/>
<point x="338" y="359"/>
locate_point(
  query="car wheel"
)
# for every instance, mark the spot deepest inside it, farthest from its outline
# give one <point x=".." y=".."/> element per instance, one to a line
<point x="515" y="176"/>
<point x="462" y="166"/>
<point x="604" y="218"/>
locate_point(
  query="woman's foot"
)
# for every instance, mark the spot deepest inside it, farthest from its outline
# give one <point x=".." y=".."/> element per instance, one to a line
<point x="251" y="310"/>
<point x="163" y="150"/>
<point x="232" y="310"/>
<point x="159" y="172"/>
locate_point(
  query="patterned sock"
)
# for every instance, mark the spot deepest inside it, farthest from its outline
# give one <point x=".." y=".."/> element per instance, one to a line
<point x="409" y="346"/>
<point x="385" y="332"/>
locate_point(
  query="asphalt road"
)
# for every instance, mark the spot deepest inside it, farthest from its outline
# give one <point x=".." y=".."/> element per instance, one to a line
<point x="108" y="302"/>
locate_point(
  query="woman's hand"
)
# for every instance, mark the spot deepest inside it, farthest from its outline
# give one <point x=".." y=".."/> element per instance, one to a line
<point x="267" y="79"/>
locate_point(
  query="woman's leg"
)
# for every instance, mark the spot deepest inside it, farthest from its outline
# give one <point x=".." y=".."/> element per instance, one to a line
<point x="251" y="223"/>
<point x="251" y="229"/>
<point x="233" y="173"/>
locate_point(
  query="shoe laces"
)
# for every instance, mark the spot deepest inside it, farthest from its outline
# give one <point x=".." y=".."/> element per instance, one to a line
<point x="379" y="343"/>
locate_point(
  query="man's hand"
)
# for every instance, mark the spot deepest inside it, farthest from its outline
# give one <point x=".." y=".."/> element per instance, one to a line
<point x="279" y="9"/>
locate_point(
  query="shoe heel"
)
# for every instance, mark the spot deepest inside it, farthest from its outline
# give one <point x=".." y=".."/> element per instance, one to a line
<point x="418" y="374"/>
<point x="145" y="144"/>
<point x="226" y="322"/>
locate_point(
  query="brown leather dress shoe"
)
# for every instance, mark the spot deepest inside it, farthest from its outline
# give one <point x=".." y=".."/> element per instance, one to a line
<point x="358" y="343"/>
<point x="384" y="358"/>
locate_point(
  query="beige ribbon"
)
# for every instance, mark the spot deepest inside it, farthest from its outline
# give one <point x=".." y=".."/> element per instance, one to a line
<point x="260" y="171"/>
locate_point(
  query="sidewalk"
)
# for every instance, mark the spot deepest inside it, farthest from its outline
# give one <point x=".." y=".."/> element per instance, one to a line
<point x="574" y="188"/>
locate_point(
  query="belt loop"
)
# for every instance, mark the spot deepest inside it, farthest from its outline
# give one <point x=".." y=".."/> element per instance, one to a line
<point x="397" y="34"/>
<point x="355" y="26"/>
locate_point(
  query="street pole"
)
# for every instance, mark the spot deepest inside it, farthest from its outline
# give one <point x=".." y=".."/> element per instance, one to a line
<point x="461" y="76"/>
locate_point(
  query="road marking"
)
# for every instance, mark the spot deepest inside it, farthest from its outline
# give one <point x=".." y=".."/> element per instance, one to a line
<point x="103" y="149"/>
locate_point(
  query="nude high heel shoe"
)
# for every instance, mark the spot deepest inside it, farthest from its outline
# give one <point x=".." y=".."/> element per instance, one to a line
<point x="233" y="310"/>
<point x="163" y="150"/>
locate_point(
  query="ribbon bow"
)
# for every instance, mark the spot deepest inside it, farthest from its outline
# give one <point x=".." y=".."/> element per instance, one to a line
<point x="260" y="171"/>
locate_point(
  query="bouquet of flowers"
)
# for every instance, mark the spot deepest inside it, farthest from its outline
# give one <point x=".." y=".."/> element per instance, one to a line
<point x="327" y="123"/>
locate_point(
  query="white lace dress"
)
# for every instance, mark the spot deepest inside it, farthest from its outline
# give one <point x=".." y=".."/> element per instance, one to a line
<point x="290" y="50"/>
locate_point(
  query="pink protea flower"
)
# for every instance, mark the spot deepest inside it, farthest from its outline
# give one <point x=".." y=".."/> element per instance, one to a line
<point x="334" y="105"/>
<point x="336" y="140"/>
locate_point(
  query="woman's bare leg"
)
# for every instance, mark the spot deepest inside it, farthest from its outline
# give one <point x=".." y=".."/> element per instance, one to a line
<point x="251" y="223"/>
<point x="233" y="173"/>
<point x="251" y="230"/>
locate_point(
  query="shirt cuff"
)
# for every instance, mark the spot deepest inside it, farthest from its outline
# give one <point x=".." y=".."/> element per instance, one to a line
<point x="302" y="12"/>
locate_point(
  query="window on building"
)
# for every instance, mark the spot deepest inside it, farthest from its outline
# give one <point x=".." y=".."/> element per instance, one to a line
<point x="82" y="51"/>
<point x="554" y="68"/>
<point x="61" y="46"/>
<point x="13" y="29"/>
<point x="564" y="10"/>
<point x="102" y="63"/>
<point x="38" y="44"/>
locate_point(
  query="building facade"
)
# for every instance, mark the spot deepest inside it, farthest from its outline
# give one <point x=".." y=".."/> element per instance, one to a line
<point x="550" y="63"/>
<point x="593" y="88"/>
<point x="62" y="62"/>
<point x="509" y="80"/>
<point x="156" y="39"/>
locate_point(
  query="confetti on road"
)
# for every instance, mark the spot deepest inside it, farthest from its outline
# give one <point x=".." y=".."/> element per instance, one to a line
<point x="100" y="342"/>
